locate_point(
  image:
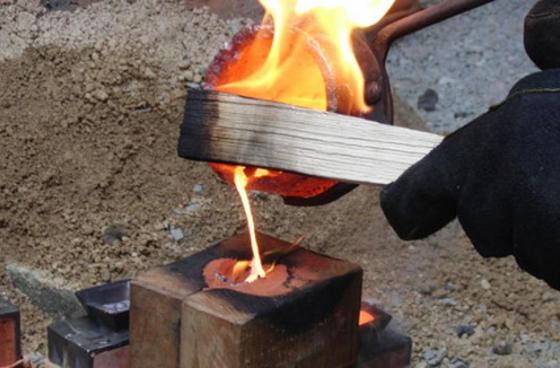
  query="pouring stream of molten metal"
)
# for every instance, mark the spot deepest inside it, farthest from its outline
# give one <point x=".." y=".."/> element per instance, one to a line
<point x="257" y="269"/>
<point x="289" y="73"/>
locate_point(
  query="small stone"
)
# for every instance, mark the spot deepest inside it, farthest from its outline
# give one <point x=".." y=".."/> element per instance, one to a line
<point x="449" y="302"/>
<point x="197" y="78"/>
<point x="192" y="208"/>
<point x="458" y="363"/>
<point x="149" y="73"/>
<point x="114" y="234"/>
<point x="502" y="347"/>
<point x="449" y="286"/>
<point x="427" y="289"/>
<point x="184" y="65"/>
<point x="101" y="95"/>
<point x="177" y="234"/>
<point x="485" y="284"/>
<point x="461" y="114"/>
<point x="428" y="100"/>
<point x="197" y="188"/>
<point x="434" y="357"/>
<point x="465" y="330"/>
<point x="446" y="80"/>
<point x="440" y="293"/>
<point x="106" y="276"/>
<point x="235" y="25"/>
<point x="188" y="75"/>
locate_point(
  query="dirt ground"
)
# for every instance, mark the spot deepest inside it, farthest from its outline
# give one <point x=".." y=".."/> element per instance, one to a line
<point x="89" y="124"/>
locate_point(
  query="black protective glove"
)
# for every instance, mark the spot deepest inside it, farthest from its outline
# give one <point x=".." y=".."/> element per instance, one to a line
<point x="542" y="34"/>
<point x="500" y="175"/>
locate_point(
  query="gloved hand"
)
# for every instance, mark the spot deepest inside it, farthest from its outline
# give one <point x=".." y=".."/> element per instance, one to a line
<point x="500" y="175"/>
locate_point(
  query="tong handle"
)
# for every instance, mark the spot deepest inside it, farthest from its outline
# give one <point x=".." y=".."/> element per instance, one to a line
<point x="419" y="19"/>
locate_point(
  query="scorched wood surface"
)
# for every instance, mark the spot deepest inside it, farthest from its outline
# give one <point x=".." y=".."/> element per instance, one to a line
<point x="222" y="127"/>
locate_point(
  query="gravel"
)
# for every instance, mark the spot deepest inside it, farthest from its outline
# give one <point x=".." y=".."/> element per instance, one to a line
<point x="465" y="330"/>
<point x="458" y="363"/>
<point x="502" y="348"/>
<point x="177" y="234"/>
<point x="434" y="357"/>
<point x="470" y="61"/>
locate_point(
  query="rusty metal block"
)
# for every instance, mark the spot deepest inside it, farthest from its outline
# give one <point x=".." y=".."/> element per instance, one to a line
<point x="10" y="335"/>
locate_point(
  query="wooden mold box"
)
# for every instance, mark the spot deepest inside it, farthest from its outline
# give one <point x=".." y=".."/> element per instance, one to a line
<point x="303" y="314"/>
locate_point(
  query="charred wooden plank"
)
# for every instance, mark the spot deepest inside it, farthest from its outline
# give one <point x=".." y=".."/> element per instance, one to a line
<point x="222" y="127"/>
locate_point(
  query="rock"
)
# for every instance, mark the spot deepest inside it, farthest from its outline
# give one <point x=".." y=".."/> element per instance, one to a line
<point x="184" y="64"/>
<point x="427" y="289"/>
<point x="428" y="100"/>
<point x="485" y="284"/>
<point x="149" y="73"/>
<point x="449" y="302"/>
<point x="548" y="297"/>
<point x="100" y="95"/>
<point x="114" y="234"/>
<point x="440" y="293"/>
<point x="458" y="363"/>
<point x="177" y="234"/>
<point x="449" y="286"/>
<point x="188" y="75"/>
<point x="465" y="330"/>
<point x="106" y="276"/>
<point x="47" y="292"/>
<point x="502" y="347"/>
<point x="197" y="188"/>
<point x="192" y="208"/>
<point x="461" y="114"/>
<point x="34" y="360"/>
<point x="434" y="357"/>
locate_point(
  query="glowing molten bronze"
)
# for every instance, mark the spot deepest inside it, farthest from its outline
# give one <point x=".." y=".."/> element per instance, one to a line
<point x="365" y="318"/>
<point x="305" y="87"/>
<point x="229" y="273"/>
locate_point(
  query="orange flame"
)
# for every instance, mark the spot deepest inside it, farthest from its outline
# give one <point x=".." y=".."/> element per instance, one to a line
<point x="280" y="78"/>
<point x="285" y="70"/>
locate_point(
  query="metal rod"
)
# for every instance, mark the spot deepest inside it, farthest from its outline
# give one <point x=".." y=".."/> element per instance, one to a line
<point x="421" y="19"/>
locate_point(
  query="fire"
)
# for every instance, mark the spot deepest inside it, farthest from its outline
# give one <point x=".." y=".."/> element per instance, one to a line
<point x="241" y="181"/>
<point x="284" y="68"/>
<point x="286" y="74"/>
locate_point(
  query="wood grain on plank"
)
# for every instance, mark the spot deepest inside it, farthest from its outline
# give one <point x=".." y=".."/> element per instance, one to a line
<point x="223" y="127"/>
